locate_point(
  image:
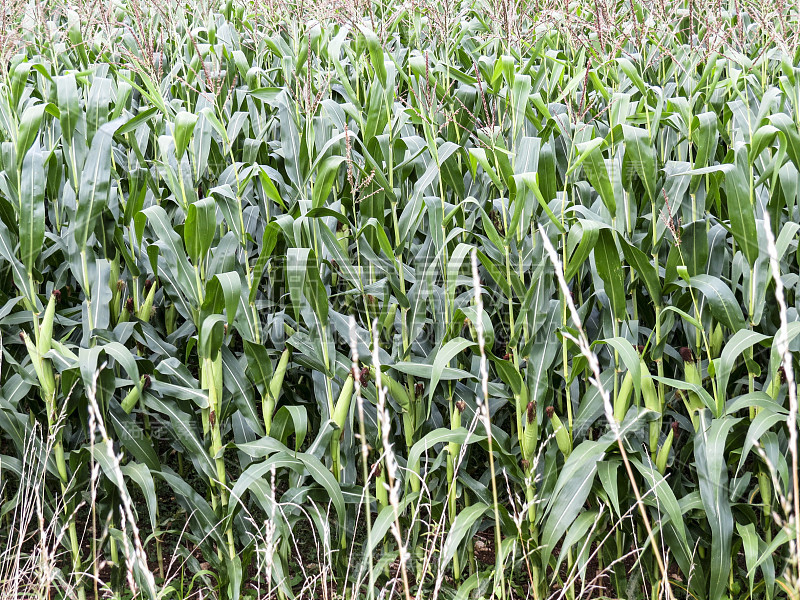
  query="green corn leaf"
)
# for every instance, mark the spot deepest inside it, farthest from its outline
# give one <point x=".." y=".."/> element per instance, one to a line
<point x="571" y="490"/>
<point x="764" y="421"/>
<point x="140" y="474"/>
<point x="740" y="206"/>
<point x="581" y="241"/>
<point x="705" y="138"/>
<point x="641" y="156"/>
<point x="211" y="335"/>
<point x="609" y="268"/>
<point x="594" y="166"/>
<point x="442" y="359"/>
<point x="460" y="528"/>
<point x="713" y="482"/>
<point x="738" y="343"/>
<point x="721" y="300"/>
<point x="644" y="269"/>
<point x="183" y="129"/>
<point x="29" y="126"/>
<point x="31" y="208"/>
<point x="198" y="231"/>
<point x="181" y="427"/>
<point x="68" y="105"/>
<point x="95" y="184"/>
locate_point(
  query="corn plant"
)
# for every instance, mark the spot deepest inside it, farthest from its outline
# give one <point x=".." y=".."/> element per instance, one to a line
<point x="455" y="299"/>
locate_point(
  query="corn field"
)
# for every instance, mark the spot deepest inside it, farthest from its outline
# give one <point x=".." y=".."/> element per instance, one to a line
<point x="464" y="299"/>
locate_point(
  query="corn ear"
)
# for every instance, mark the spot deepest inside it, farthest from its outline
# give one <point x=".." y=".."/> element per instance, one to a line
<point x="128" y="310"/>
<point x="46" y="326"/>
<point x="623" y="400"/>
<point x="33" y="352"/>
<point x="531" y="435"/>
<point x="563" y="437"/>
<point x="651" y="402"/>
<point x="133" y="396"/>
<point x="343" y="402"/>
<point x="339" y="417"/>
<point x="63" y="350"/>
<point x="455" y="423"/>
<point x="275" y="385"/>
<point x="114" y="283"/>
<point x="663" y="453"/>
<point x="408" y="431"/>
<point x="44" y="372"/>
<point x="649" y="393"/>
<point x="277" y="378"/>
<point x="113" y="275"/>
<point x="170" y="318"/>
<point x="765" y="489"/>
<point x="216" y="373"/>
<point x="205" y="383"/>
<point x="388" y="322"/>
<point x="773" y="388"/>
<point x="716" y="341"/>
<point x="381" y="493"/>
<point x="396" y="390"/>
<point x="691" y="399"/>
<point x="146" y="309"/>
<point x="343" y="238"/>
<point x="61" y="463"/>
